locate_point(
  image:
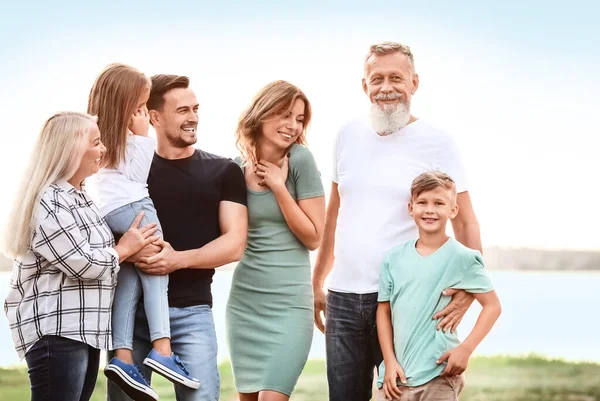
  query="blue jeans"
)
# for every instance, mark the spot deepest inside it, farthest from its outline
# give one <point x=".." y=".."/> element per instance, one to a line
<point x="193" y="338"/>
<point x="131" y="282"/>
<point x="61" y="369"/>
<point x="352" y="345"/>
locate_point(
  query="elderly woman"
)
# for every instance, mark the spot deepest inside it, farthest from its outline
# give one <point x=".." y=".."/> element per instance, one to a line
<point x="59" y="303"/>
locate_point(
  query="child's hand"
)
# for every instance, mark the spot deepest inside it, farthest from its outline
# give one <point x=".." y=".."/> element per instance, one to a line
<point x="390" y="387"/>
<point x="139" y="122"/>
<point x="458" y="359"/>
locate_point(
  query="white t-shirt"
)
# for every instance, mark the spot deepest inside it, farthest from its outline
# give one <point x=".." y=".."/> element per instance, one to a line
<point x="127" y="183"/>
<point x="374" y="174"/>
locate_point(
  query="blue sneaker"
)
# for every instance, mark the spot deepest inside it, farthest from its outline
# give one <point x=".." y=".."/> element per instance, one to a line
<point x="130" y="379"/>
<point x="171" y="368"/>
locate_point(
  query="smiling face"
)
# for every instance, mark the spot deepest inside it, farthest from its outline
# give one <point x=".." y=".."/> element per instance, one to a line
<point x="432" y="209"/>
<point x="91" y="161"/>
<point x="390" y="81"/>
<point x="177" y="120"/>
<point x="282" y="130"/>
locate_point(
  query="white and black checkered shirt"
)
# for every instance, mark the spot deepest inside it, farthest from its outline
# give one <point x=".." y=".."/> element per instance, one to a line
<point x="64" y="285"/>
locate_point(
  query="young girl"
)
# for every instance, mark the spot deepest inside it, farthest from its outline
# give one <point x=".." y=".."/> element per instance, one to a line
<point x="119" y="98"/>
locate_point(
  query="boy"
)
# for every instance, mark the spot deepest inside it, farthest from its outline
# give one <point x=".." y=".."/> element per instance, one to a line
<point x="420" y="362"/>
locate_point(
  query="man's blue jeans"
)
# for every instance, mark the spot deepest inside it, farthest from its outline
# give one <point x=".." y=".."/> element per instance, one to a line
<point x="193" y="339"/>
<point x="352" y="345"/>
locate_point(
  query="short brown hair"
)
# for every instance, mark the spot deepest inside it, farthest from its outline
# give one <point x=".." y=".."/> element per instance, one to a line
<point x="383" y="48"/>
<point x="274" y="99"/>
<point x="161" y="84"/>
<point x="113" y="99"/>
<point x="431" y="180"/>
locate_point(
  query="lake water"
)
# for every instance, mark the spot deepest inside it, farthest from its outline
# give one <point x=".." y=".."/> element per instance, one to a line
<point x="554" y="314"/>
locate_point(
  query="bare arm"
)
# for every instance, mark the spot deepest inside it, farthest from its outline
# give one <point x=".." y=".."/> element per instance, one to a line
<point x="393" y="370"/>
<point x="466" y="231"/>
<point x="385" y="332"/>
<point x="325" y="256"/>
<point x="228" y="247"/>
<point x="490" y="312"/>
<point x="465" y="224"/>
<point x="458" y="358"/>
<point x="305" y="218"/>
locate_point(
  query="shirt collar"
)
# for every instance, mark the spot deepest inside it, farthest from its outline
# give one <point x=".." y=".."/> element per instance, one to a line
<point x="66" y="186"/>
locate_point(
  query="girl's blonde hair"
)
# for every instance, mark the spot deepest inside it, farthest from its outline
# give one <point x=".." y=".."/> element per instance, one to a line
<point x="274" y="99"/>
<point x="56" y="155"/>
<point x="114" y="99"/>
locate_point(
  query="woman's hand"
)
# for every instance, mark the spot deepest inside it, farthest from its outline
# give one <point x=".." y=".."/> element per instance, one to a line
<point x="140" y="122"/>
<point x="136" y="238"/>
<point x="147" y="251"/>
<point x="272" y="175"/>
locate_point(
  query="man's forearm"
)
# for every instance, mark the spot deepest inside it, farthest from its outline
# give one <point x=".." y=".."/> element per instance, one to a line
<point x="325" y="256"/>
<point x="468" y="234"/>
<point x="323" y="264"/>
<point x="226" y="249"/>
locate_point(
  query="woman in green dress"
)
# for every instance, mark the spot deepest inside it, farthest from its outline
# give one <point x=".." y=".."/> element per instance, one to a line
<point x="270" y="309"/>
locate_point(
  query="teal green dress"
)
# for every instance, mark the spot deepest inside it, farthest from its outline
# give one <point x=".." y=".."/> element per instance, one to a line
<point x="269" y="315"/>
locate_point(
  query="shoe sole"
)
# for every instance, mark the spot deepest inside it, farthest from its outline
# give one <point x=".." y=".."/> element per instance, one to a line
<point x="170" y="375"/>
<point x="129" y="386"/>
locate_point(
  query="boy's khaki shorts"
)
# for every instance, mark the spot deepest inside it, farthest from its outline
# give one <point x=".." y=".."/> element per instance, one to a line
<point x="438" y="389"/>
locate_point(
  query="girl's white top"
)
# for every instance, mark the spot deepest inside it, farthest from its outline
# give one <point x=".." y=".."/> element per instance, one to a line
<point x="116" y="187"/>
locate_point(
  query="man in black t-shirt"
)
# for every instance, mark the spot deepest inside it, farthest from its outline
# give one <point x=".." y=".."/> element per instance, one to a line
<point x="200" y="199"/>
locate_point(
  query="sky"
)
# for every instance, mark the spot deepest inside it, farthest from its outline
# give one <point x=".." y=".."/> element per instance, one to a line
<point x="516" y="83"/>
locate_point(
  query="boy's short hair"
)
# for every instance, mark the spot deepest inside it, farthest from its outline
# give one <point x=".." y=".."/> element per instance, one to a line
<point x="431" y="180"/>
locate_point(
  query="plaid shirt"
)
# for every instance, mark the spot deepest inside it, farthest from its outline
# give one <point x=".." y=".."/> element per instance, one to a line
<point x="65" y="283"/>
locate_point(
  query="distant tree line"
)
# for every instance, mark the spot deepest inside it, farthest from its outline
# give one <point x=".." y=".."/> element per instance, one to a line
<point x="497" y="258"/>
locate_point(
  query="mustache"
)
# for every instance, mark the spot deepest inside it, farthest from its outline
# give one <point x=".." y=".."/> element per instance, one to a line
<point x="388" y="96"/>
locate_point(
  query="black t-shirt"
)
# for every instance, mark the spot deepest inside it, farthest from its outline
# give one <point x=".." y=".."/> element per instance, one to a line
<point x="186" y="194"/>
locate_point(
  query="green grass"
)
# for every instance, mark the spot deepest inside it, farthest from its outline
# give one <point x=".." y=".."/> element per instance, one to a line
<point x="530" y="378"/>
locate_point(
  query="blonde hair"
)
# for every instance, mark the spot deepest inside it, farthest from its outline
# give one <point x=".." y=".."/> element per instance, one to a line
<point x="56" y="155"/>
<point x="274" y="99"/>
<point x="431" y="180"/>
<point x="383" y="48"/>
<point x="114" y="99"/>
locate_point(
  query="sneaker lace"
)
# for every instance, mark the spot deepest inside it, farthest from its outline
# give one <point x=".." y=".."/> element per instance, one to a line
<point x="181" y="365"/>
<point x="141" y="373"/>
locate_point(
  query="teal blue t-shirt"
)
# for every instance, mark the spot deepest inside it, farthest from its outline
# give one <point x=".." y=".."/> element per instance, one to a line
<point x="413" y="285"/>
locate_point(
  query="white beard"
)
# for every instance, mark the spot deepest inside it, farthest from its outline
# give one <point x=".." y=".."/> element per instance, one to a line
<point x="389" y="119"/>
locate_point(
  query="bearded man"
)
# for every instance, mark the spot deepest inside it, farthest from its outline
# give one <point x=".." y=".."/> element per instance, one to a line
<point x="375" y="164"/>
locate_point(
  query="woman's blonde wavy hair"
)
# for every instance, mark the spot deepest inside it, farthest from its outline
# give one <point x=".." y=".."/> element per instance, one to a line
<point x="274" y="99"/>
<point x="56" y="155"/>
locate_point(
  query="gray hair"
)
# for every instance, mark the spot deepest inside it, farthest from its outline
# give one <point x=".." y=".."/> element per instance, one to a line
<point x="383" y="48"/>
